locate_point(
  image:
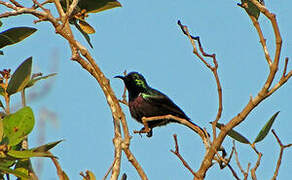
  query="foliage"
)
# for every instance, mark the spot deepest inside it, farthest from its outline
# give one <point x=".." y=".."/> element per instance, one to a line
<point x="15" y="35"/>
<point x="262" y="134"/>
<point x="84" y="7"/>
<point x="15" y="127"/>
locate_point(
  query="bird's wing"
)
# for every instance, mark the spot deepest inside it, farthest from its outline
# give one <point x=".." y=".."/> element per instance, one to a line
<point x="160" y="100"/>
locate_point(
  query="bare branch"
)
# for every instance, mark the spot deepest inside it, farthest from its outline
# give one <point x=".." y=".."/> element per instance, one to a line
<point x="8" y="5"/>
<point x="253" y="170"/>
<point x="233" y="172"/>
<point x="135" y="163"/>
<point x="16" y="3"/>
<point x="280" y="155"/>
<point x="262" y="94"/>
<point x="58" y="167"/>
<point x="285" y="77"/>
<point x="262" y="39"/>
<point x="212" y="68"/>
<point x="71" y="8"/>
<point x="285" y="67"/>
<point x="245" y="174"/>
<point x="59" y="9"/>
<point x="109" y="170"/>
<point x="185" y="122"/>
<point x="176" y="152"/>
<point x="124" y="96"/>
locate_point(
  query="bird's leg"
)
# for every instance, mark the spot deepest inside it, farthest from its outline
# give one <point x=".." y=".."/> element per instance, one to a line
<point x="145" y="129"/>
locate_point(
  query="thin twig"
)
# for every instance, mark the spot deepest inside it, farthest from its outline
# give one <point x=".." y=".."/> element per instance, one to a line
<point x="109" y="170"/>
<point x="214" y="70"/>
<point x="262" y="39"/>
<point x="58" y="168"/>
<point x="262" y="94"/>
<point x="8" y="5"/>
<point x="285" y="67"/>
<point x="233" y="172"/>
<point x="253" y="170"/>
<point x="124" y="96"/>
<point x="285" y="77"/>
<point x="176" y="152"/>
<point x="237" y="159"/>
<point x="245" y="173"/>
<point x="16" y="3"/>
<point x="280" y="155"/>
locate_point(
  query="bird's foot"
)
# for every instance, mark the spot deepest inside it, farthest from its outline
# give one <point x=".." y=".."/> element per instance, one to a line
<point x="145" y="130"/>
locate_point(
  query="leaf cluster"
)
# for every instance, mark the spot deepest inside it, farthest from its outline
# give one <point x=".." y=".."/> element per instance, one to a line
<point x="80" y="13"/>
<point x="261" y="135"/>
<point x="15" y="127"/>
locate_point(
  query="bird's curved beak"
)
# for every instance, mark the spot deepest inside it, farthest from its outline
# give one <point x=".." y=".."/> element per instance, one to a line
<point x="120" y="77"/>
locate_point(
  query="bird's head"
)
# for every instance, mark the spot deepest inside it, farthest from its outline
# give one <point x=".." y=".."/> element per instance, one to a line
<point x="134" y="82"/>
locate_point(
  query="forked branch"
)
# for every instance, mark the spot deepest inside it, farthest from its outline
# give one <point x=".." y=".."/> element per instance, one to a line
<point x="280" y="155"/>
<point x="176" y="152"/>
<point x="262" y="94"/>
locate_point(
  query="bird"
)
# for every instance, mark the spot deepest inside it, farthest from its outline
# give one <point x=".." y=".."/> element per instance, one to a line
<point x="144" y="101"/>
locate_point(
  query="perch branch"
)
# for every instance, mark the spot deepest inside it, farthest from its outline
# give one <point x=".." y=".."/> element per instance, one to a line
<point x="185" y="122"/>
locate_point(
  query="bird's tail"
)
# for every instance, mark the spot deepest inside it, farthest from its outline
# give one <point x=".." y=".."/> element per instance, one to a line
<point x="196" y="128"/>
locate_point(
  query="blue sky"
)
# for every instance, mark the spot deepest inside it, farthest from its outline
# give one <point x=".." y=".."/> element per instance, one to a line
<point x="143" y="36"/>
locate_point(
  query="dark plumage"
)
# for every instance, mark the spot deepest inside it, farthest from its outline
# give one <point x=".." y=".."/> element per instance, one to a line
<point x="145" y="101"/>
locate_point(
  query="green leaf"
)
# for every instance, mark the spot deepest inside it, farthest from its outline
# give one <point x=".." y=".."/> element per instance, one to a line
<point x="264" y="131"/>
<point x="15" y="35"/>
<point x="18" y="125"/>
<point x="46" y="147"/>
<point x="33" y="81"/>
<point x="87" y="28"/>
<point x="250" y="8"/>
<point x="235" y="135"/>
<point x="7" y="162"/>
<point x="27" y="154"/>
<point x="20" y="77"/>
<point x="16" y="173"/>
<point x="93" y="6"/>
<point x="83" y="33"/>
<point x="24" y="166"/>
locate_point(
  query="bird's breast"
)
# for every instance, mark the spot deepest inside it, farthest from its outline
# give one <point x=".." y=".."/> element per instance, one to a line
<point x="136" y="107"/>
